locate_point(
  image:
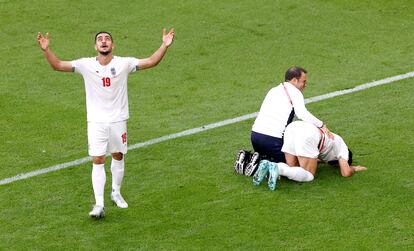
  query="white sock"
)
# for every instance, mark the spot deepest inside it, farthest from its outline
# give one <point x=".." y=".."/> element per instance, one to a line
<point x="294" y="173"/>
<point x="117" y="169"/>
<point x="98" y="183"/>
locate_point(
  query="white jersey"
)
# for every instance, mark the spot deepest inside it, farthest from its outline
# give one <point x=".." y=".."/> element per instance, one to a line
<point x="106" y="87"/>
<point x="333" y="149"/>
<point x="306" y="140"/>
<point x="277" y="110"/>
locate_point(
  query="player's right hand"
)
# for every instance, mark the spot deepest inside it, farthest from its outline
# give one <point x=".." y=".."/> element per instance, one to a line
<point x="43" y="40"/>
<point x="167" y="38"/>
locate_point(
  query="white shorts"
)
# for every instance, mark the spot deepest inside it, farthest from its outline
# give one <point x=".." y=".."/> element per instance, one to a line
<point x="107" y="138"/>
<point x="301" y="139"/>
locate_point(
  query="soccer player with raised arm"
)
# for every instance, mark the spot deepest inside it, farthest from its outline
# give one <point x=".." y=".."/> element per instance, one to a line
<point x="105" y="77"/>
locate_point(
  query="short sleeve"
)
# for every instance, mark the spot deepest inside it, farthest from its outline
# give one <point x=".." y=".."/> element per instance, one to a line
<point x="341" y="149"/>
<point x="77" y="65"/>
<point x="132" y="64"/>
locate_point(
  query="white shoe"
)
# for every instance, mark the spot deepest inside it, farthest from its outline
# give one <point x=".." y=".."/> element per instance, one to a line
<point x="97" y="212"/>
<point x="119" y="200"/>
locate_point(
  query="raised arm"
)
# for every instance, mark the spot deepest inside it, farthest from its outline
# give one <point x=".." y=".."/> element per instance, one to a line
<point x="154" y="59"/>
<point x="55" y="62"/>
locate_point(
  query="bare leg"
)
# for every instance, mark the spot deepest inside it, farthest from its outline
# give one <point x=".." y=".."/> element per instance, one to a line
<point x="293" y="171"/>
<point x="291" y="160"/>
<point x="117" y="156"/>
<point x="309" y="164"/>
<point x="98" y="160"/>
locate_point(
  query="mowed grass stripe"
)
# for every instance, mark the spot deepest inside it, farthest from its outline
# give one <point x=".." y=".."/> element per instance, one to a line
<point x="207" y="127"/>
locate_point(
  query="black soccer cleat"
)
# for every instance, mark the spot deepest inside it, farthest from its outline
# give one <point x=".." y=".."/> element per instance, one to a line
<point x="252" y="166"/>
<point x="240" y="163"/>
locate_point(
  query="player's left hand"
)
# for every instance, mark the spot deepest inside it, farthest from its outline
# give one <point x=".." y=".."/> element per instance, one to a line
<point x="167" y="38"/>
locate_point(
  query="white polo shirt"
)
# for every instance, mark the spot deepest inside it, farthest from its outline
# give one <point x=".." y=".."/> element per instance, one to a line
<point x="276" y="108"/>
<point x="106" y="87"/>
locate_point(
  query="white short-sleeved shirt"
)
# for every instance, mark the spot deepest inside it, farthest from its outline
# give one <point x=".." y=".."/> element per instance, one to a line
<point x="276" y="110"/>
<point x="304" y="139"/>
<point x="106" y="87"/>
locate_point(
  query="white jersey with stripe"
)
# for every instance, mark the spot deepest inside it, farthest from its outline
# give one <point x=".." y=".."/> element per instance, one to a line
<point x="276" y="110"/>
<point x="106" y="87"/>
<point x="333" y="149"/>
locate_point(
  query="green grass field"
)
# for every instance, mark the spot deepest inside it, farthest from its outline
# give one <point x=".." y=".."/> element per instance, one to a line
<point x="183" y="193"/>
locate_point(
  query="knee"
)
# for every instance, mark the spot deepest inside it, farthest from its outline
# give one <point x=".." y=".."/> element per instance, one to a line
<point x="117" y="156"/>
<point x="98" y="160"/>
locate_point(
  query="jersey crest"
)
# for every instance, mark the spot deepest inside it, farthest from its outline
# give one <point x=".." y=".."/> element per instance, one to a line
<point x="113" y="71"/>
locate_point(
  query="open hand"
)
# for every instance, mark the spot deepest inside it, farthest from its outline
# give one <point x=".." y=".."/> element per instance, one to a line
<point x="167" y="38"/>
<point x="43" y="40"/>
<point x="359" y="168"/>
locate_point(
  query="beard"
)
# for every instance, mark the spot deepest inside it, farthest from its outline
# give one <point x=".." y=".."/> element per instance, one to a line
<point x="105" y="53"/>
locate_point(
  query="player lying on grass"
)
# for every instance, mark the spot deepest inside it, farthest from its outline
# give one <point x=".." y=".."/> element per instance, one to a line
<point x="304" y="146"/>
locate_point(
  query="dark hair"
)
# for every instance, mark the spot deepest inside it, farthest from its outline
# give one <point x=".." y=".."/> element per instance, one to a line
<point x="96" y="36"/>
<point x="349" y="157"/>
<point x="294" y="72"/>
